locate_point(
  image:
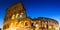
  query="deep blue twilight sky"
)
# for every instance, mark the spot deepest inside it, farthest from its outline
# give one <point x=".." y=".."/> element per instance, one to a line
<point x="34" y="8"/>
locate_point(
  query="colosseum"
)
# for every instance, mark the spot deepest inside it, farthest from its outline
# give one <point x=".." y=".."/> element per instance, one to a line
<point x="16" y="19"/>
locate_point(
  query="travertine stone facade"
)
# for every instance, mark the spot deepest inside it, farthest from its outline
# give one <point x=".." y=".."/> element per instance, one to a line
<point x="16" y="19"/>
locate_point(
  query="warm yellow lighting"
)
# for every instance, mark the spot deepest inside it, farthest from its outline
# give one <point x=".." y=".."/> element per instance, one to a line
<point x="21" y="24"/>
<point x="15" y="24"/>
<point x="21" y="13"/>
<point x="13" y="16"/>
<point x="25" y="22"/>
<point x="17" y="15"/>
<point x="37" y="28"/>
<point x="56" y="27"/>
<point x="45" y="25"/>
<point x="11" y="25"/>
<point x="12" y="28"/>
<point x="20" y="16"/>
<point x="50" y="27"/>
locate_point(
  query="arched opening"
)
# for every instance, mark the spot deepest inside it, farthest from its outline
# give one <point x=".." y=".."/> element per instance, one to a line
<point x="32" y="24"/>
<point x="13" y="16"/>
<point x="4" y="27"/>
<point x="26" y="24"/>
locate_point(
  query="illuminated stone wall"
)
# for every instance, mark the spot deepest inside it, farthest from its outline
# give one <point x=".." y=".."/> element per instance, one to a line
<point x="16" y="19"/>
